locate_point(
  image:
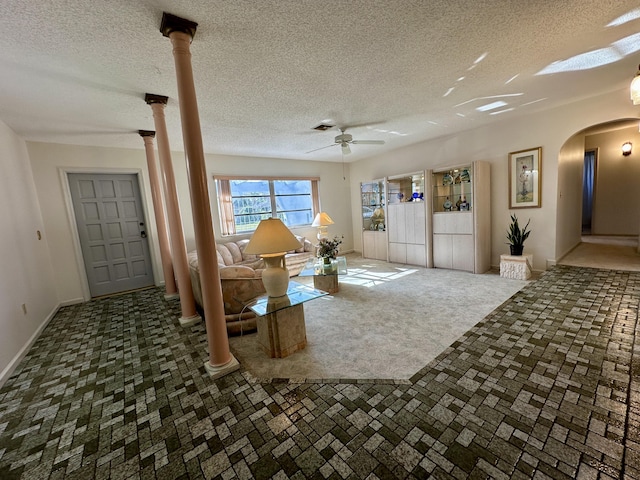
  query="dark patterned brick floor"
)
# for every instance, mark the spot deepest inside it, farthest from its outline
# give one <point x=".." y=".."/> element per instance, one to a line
<point x="545" y="387"/>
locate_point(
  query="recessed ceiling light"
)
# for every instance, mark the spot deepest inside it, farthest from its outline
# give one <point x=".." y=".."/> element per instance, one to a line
<point x="491" y="106"/>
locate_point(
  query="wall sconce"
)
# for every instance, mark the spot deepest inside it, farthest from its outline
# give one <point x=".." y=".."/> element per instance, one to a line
<point x="635" y="88"/>
<point x="626" y="149"/>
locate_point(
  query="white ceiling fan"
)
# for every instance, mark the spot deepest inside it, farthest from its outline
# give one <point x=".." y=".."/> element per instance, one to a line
<point x="345" y="139"/>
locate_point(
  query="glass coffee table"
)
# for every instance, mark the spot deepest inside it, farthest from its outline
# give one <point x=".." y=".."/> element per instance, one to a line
<point x="325" y="276"/>
<point x="280" y="320"/>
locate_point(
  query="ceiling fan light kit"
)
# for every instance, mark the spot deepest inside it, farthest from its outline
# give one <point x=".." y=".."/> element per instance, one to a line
<point x="344" y="140"/>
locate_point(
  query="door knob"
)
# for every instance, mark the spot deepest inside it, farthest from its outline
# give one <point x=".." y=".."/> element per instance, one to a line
<point x="143" y="234"/>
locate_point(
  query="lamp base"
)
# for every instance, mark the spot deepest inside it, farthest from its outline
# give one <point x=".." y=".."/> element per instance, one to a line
<point x="275" y="276"/>
<point x="322" y="233"/>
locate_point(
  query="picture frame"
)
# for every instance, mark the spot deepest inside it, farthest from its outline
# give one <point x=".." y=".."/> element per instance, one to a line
<point x="525" y="178"/>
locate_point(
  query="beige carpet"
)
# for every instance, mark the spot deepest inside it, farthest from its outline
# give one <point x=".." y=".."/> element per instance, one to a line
<point x="386" y="322"/>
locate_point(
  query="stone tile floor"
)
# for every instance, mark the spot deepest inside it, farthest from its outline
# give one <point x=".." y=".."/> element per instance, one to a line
<point x="545" y="387"/>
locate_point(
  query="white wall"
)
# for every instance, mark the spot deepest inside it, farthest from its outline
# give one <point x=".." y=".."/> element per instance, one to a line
<point x="48" y="160"/>
<point x="549" y="129"/>
<point x="49" y="163"/>
<point x="569" y="196"/>
<point x="26" y="275"/>
<point x="617" y="195"/>
<point x="334" y="188"/>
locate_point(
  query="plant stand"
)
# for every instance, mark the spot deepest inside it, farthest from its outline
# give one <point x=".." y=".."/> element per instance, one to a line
<point x="516" y="267"/>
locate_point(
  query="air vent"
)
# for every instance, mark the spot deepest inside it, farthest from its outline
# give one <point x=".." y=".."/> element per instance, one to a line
<point x="322" y="127"/>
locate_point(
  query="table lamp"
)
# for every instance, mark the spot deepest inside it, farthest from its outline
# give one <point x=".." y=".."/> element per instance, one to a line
<point x="321" y="221"/>
<point x="271" y="240"/>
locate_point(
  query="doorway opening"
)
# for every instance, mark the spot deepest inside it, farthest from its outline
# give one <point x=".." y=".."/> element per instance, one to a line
<point x="588" y="189"/>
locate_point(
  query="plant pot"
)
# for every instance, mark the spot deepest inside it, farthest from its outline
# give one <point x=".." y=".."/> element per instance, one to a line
<point x="516" y="250"/>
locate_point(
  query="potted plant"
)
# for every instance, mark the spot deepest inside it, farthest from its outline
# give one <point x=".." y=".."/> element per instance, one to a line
<point x="517" y="236"/>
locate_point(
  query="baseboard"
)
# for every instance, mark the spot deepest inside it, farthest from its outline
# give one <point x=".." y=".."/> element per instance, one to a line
<point x="8" y="371"/>
<point x="73" y="301"/>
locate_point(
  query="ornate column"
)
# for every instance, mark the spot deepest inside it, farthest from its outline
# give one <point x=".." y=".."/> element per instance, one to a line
<point x="178" y="248"/>
<point x="171" y="290"/>
<point x="221" y="361"/>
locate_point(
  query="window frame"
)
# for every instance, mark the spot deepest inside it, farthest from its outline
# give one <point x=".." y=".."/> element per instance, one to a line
<point x="225" y="199"/>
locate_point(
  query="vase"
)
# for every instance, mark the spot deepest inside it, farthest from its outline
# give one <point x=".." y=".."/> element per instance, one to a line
<point x="516" y="250"/>
<point x="326" y="260"/>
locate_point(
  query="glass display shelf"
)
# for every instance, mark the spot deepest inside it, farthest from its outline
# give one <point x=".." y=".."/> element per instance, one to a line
<point x="405" y="188"/>
<point x="373" y="215"/>
<point x="453" y="190"/>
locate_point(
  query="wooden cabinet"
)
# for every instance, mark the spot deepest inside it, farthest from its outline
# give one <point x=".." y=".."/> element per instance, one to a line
<point x="374" y="245"/>
<point x="406" y="219"/>
<point x="407" y="233"/>
<point x="461" y="216"/>
<point x="374" y="218"/>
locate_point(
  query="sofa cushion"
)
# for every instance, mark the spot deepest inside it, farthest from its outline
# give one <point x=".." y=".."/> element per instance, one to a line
<point x="239" y="271"/>
<point x="236" y="254"/>
<point x="224" y="252"/>
<point x="301" y="240"/>
<point x="243" y="245"/>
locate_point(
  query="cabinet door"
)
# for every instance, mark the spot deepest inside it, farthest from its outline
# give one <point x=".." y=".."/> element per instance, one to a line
<point x="463" y="254"/>
<point x="419" y="222"/>
<point x="396" y="223"/>
<point x="381" y="246"/>
<point x="416" y="255"/>
<point x="397" y="252"/>
<point x="368" y="244"/>
<point x="442" y="253"/>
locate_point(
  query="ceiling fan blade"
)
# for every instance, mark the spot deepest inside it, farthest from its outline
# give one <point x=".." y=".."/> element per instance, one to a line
<point x="368" y="142"/>
<point x="321" y="148"/>
<point x="345" y="148"/>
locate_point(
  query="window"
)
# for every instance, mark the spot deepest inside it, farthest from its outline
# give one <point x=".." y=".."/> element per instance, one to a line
<point x="246" y="201"/>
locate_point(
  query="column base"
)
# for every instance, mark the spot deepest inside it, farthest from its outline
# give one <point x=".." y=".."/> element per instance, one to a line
<point x="217" y="372"/>
<point x="188" y="321"/>
<point x="171" y="296"/>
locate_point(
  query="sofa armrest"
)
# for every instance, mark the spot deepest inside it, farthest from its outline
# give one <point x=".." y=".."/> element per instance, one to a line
<point x="237" y="271"/>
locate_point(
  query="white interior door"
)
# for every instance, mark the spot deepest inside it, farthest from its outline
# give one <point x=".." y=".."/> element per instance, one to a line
<point x="112" y="231"/>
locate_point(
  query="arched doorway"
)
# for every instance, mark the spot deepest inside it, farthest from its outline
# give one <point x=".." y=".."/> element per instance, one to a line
<point x="610" y="199"/>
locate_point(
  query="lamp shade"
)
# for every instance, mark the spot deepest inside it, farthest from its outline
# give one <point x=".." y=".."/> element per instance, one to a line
<point x="272" y="236"/>
<point x="321" y="220"/>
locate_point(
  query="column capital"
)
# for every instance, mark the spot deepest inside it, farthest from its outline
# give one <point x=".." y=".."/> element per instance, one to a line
<point x="153" y="98"/>
<point x="146" y="133"/>
<point x="171" y="23"/>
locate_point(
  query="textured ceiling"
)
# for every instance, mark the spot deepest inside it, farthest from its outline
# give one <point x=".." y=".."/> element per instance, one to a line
<point x="267" y="71"/>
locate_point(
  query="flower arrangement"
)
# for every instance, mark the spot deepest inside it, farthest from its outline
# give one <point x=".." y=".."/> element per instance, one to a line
<point x="329" y="248"/>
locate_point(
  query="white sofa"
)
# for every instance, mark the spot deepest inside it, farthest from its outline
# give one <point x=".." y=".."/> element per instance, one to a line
<point x="241" y="278"/>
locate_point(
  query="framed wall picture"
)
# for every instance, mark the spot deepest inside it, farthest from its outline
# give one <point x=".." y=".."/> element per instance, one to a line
<point x="525" y="175"/>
